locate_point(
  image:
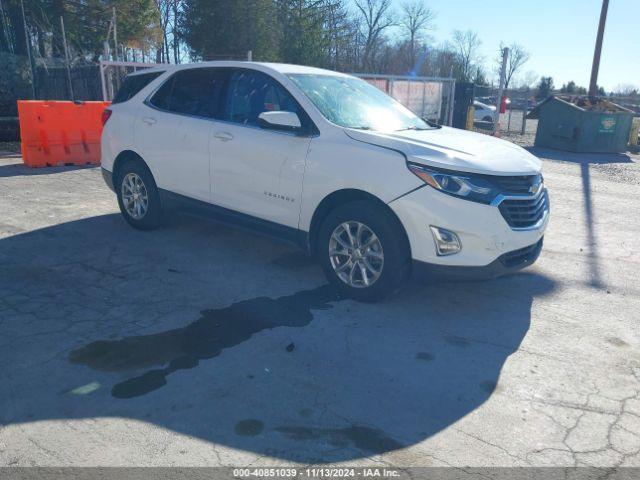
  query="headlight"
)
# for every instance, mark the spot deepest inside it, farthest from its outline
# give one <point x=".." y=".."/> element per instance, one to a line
<point x="460" y="184"/>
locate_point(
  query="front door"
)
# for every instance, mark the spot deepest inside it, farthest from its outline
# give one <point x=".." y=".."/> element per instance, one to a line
<point x="255" y="171"/>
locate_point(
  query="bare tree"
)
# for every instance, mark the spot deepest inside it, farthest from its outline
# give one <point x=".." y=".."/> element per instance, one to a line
<point x="176" y="6"/>
<point x="375" y="20"/>
<point x="169" y="12"/>
<point x="416" y="19"/>
<point x="518" y="56"/>
<point x="626" y="90"/>
<point x="164" y="10"/>
<point x="528" y="79"/>
<point x="341" y="32"/>
<point x="467" y="47"/>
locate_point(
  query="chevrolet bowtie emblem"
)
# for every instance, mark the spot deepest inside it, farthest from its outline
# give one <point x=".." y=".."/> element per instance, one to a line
<point x="535" y="188"/>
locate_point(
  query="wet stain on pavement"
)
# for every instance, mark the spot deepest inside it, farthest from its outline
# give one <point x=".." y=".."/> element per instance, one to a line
<point x="367" y="439"/>
<point x="617" y="342"/>
<point x="215" y="331"/>
<point x="457" y="341"/>
<point x="425" y="356"/>
<point x="295" y="261"/>
<point x="249" y="427"/>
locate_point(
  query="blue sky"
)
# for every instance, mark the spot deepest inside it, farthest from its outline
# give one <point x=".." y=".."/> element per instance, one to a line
<point x="559" y="34"/>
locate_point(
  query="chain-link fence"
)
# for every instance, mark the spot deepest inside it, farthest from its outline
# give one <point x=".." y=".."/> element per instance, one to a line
<point x="50" y="81"/>
<point x="427" y="97"/>
<point x="112" y="73"/>
<point x="513" y="122"/>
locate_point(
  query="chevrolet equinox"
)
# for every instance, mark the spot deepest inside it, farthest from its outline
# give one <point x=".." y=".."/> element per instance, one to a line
<point x="329" y="162"/>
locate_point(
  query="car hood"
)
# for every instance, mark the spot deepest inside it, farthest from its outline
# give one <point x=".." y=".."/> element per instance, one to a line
<point x="454" y="149"/>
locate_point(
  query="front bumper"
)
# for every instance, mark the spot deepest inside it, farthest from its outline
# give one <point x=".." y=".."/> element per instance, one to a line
<point x="507" y="263"/>
<point x="484" y="233"/>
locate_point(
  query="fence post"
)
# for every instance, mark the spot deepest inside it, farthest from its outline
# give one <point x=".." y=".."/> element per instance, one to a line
<point x="28" y="41"/>
<point x="451" y="103"/>
<point x="66" y="57"/>
<point x="103" y="84"/>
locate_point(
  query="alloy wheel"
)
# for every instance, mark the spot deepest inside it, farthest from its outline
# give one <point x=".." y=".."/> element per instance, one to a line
<point x="134" y="196"/>
<point x="356" y="254"/>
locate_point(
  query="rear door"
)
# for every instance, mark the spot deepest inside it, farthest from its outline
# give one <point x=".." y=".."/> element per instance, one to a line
<point x="173" y="131"/>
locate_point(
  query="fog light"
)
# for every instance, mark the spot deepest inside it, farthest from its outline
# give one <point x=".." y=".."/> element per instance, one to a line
<point x="447" y="242"/>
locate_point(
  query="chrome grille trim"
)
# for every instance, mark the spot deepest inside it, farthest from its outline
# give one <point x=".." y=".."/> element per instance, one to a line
<point x="524" y="209"/>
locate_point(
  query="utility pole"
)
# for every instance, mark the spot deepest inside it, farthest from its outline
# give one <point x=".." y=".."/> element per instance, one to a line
<point x="115" y="33"/>
<point x="106" y="49"/>
<point x="593" y="85"/>
<point x="503" y="78"/>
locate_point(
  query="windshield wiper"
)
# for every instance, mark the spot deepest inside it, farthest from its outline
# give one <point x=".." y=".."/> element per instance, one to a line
<point x="413" y="128"/>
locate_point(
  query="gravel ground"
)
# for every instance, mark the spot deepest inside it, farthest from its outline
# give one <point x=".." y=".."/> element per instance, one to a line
<point x="198" y="344"/>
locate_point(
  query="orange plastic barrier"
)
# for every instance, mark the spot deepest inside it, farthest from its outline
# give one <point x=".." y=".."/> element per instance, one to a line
<point x="57" y="133"/>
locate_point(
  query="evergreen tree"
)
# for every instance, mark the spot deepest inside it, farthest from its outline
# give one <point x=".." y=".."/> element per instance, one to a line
<point x="219" y="29"/>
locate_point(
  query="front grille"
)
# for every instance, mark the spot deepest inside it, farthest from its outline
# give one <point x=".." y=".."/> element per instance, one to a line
<point x="519" y="185"/>
<point x="524" y="212"/>
<point x="522" y="256"/>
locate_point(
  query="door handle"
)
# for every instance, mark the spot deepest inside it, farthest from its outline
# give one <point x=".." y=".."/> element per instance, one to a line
<point x="224" y="136"/>
<point x="149" y="120"/>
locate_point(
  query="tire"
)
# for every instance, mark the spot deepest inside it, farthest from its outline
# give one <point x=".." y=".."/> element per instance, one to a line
<point x="488" y="119"/>
<point x="344" y="270"/>
<point x="135" y="173"/>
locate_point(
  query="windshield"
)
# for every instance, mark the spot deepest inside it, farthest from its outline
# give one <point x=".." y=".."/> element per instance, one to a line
<point x="353" y="103"/>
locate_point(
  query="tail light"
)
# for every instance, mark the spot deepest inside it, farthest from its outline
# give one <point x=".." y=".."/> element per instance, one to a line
<point x="106" y="114"/>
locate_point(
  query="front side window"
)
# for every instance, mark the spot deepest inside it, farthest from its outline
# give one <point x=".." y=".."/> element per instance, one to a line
<point x="353" y="103"/>
<point x="192" y="92"/>
<point x="252" y="93"/>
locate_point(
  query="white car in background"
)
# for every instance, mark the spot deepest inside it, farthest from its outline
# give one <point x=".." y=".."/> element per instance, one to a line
<point x="483" y="112"/>
<point x="328" y="162"/>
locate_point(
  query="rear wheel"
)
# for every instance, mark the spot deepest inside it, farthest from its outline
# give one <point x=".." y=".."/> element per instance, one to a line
<point x="363" y="251"/>
<point x="138" y="197"/>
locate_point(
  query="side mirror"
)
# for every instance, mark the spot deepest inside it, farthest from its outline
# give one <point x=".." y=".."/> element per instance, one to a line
<point x="280" y="120"/>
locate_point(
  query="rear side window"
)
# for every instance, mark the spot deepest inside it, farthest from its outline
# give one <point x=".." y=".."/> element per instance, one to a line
<point x="192" y="92"/>
<point x="133" y="84"/>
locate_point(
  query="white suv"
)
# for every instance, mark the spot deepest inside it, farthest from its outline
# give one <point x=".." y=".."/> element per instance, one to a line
<point x="329" y="162"/>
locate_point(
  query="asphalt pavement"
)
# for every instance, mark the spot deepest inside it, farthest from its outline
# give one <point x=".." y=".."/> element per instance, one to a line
<point x="199" y="344"/>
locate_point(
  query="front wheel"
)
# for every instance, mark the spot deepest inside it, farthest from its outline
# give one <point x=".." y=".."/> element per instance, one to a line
<point x="364" y="251"/>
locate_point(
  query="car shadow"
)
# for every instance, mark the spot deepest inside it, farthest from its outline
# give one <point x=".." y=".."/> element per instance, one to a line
<point x="21" y="170"/>
<point x="236" y="339"/>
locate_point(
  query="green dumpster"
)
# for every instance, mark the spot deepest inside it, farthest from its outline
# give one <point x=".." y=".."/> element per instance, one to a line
<point x="578" y="124"/>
